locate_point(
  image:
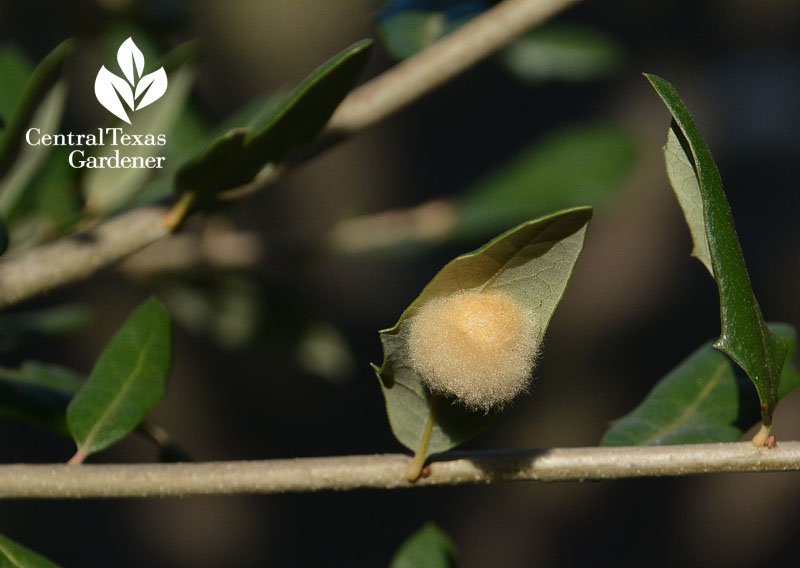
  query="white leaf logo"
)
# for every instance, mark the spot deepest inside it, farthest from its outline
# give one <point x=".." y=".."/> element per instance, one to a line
<point x="112" y="90"/>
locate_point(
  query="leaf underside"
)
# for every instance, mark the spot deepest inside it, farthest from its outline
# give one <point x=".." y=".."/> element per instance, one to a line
<point x="705" y="399"/>
<point x="127" y="381"/>
<point x="745" y="337"/>
<point x="531" y="263"/>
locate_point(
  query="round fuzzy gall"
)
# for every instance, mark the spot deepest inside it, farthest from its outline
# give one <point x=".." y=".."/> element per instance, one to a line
<point x="477" y="346"/>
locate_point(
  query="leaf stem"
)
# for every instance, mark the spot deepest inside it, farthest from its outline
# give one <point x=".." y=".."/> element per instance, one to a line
<point x="179" y="211"/>
<point x="760" y="439"/>
<point x="415" y="469"/>
<point x="79" y="456"/>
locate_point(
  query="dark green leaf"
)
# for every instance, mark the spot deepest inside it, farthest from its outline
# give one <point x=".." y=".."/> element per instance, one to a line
<point x="127" y="381"/>
<point x="705" y="399"/>
<point x="745" y="337"/>
<point x="563" y="52"/>
<point x="572" y="166"/>
<point x="38" y="394"/>
<point x="13" y="555"/>
<point x="235" y="158"/>
<point x="531" y="263"/>
<point x="38" y="87"/>
<point x="429" y="547"/>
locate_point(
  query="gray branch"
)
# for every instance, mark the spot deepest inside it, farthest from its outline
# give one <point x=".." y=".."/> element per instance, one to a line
<point x="388" y="471"/>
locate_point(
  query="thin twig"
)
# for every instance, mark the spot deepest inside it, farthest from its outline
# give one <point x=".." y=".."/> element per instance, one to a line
<point x="75" y="258"/>
<point x="388" y="471"/>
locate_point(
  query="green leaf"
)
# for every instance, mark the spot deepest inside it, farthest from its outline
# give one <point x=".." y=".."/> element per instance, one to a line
<point x="40" y="84"/>
<point x="236" y="157"/>
<point x="745" y="337"/>
<point x="429" y="547"/>
<point x="563" y="52"/>
<point x="571" y="166"/>
<point x="13" y="555"/>
<point x="532" y="263"/>
<point x="127" y="381"/>
<point x="705" y="399"/>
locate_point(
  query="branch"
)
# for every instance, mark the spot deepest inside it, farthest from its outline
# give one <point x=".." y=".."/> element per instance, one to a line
<point x="417" y="76"/>
<point x="77" y="257"/>
<point x="388" y="471"/>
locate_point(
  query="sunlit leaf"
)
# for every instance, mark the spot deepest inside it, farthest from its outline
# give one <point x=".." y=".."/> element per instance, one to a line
<point x="127" y="381"/>
<point x="236" y="157"/>
<point x="429" y="547"/>
<point x="745" y="337"/>
<point x="13" y="555"/>
<point x="705" y="399"/>
<point x="532" y="264"/>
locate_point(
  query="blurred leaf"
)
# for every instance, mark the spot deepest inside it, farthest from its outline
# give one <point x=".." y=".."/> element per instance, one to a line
<point x="572" y="166"/>
<point x="3" y="237"/>
<point x="531" y="263"/>
<point x="63" y="319"/>
<point x="323" y="351"/>
<point x="13" y="555"/>
<point x="745" y="337"/>
<point x="50" y="204"/>
<point x="15" y="68"/>
<point x="17" y="327"/>
<point x="429" y="547"/>
<point x="565" y="53"/>
<point x="29" y="158"/>
<point x="705" y="399"/>
<point x="407" y="27"/>
<point x="108" y="189"/>
<point x="40" y="84"/>
<point x="236" y="157"/>
<point x="38" y="394"/>
<point x="127" y="381"/>
<point x="408" y="33"/>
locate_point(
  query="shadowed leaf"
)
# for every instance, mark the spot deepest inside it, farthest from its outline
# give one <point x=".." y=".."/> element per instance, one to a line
<point x="236" y="157"/>
<point x="705" y="399"/>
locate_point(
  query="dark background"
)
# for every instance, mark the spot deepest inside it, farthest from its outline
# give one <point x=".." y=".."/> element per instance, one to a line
<point x="636" y="307"/>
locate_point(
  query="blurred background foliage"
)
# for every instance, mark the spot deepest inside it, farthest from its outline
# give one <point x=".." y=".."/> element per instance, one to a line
<point x="278" y="300"/>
